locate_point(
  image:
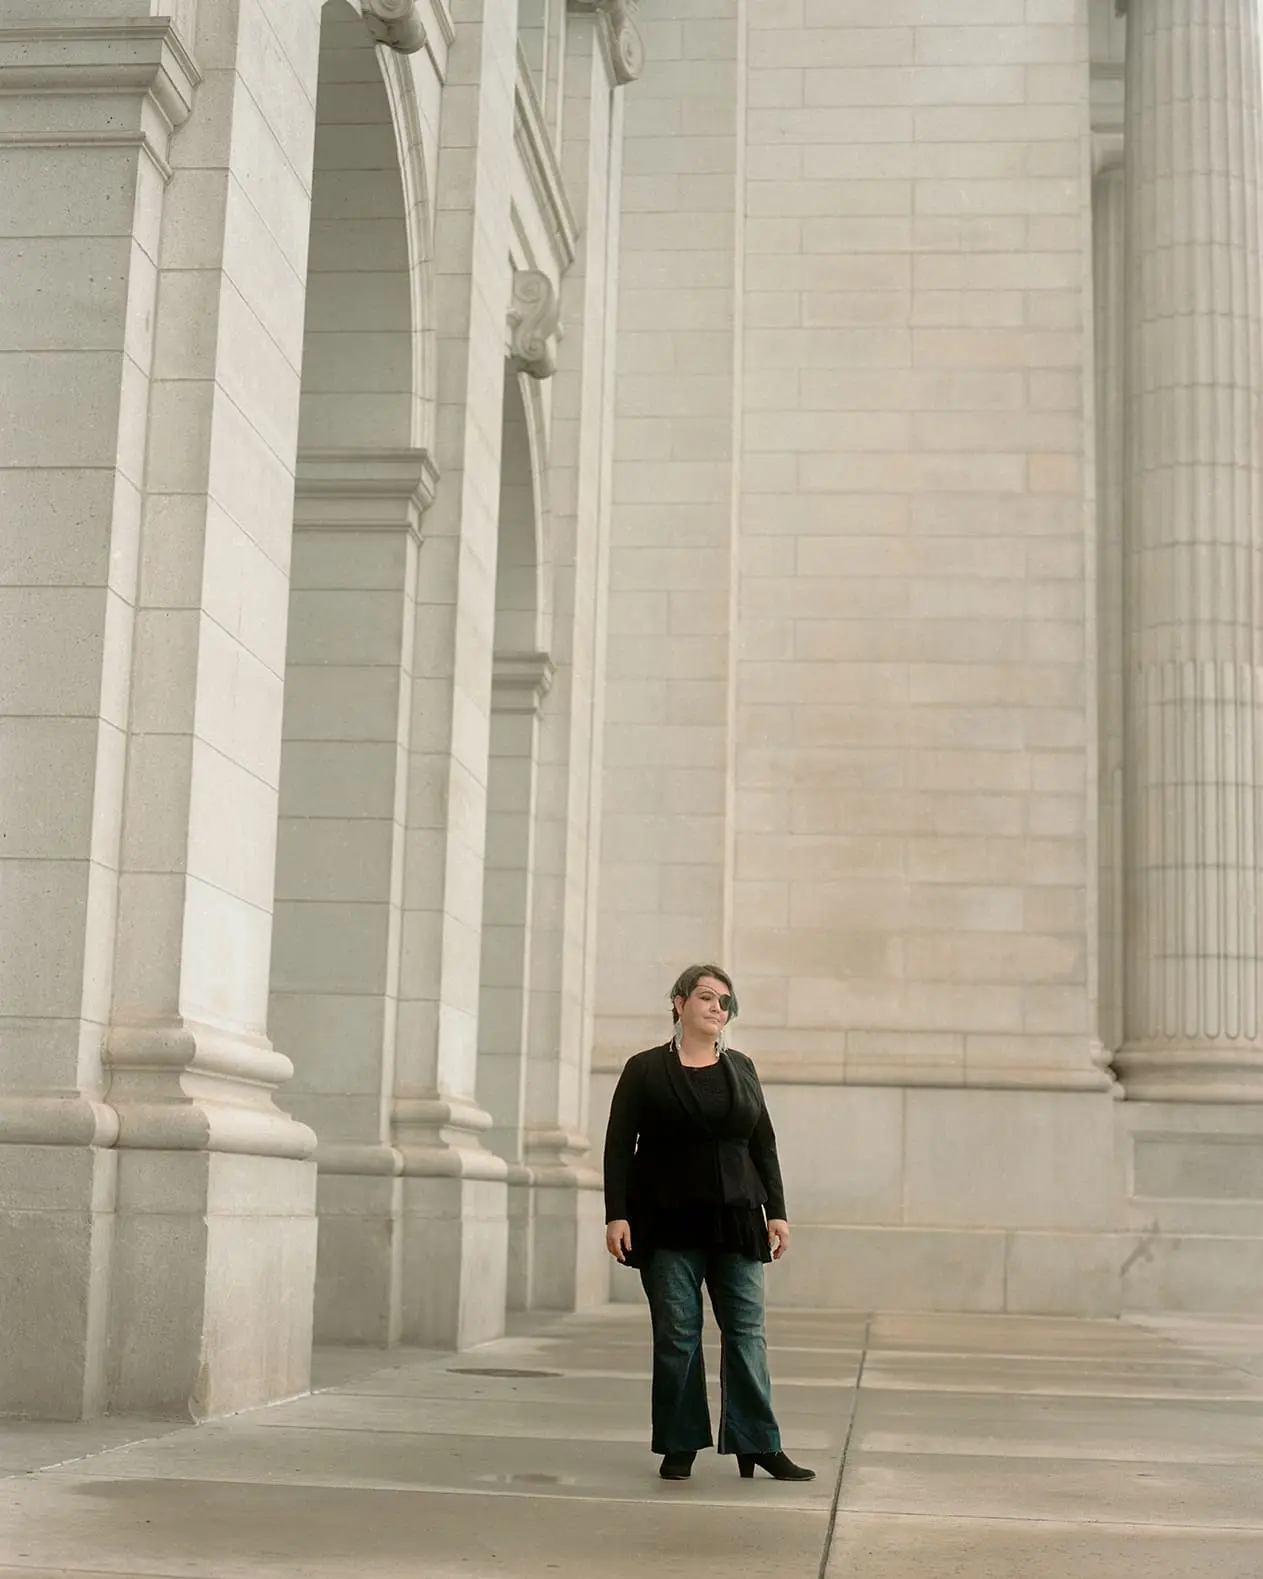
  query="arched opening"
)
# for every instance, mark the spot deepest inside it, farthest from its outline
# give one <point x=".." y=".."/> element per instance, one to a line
<point x="521" y="673"/>
<point x="335" y="961"/>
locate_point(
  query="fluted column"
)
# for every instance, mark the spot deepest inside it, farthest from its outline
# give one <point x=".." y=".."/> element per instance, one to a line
<point x="1192" y="552"/>
<point x="1110" y="306"/>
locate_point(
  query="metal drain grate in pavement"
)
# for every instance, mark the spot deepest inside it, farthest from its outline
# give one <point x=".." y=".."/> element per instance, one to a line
<point x="494" y="1370"/>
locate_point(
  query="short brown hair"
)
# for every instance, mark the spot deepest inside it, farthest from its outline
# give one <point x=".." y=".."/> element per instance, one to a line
<point x="686" y="985"/>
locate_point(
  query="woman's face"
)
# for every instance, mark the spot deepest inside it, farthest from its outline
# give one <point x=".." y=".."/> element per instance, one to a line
<point x="705" y="1011"/>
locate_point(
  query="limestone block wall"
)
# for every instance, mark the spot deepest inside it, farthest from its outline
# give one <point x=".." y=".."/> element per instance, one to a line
<point x="912" y="749"/>
<point x="878" y="802"/>
<point x="851" y="738"/>
<point x="664" y="850"/>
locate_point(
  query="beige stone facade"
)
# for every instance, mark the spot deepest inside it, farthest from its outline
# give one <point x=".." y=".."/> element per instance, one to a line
<point x="499" y="500"/>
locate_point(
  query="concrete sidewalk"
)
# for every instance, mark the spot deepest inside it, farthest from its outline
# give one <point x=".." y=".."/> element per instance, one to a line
<point x="948" y="1447"/>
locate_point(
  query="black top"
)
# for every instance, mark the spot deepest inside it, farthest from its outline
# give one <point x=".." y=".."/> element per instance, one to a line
<point x="690" y="1155"/>
<point x="710" y="1087"/>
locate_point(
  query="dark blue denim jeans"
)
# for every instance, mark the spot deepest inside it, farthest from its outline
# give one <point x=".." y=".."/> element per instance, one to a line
<point x="673" y="1281"/>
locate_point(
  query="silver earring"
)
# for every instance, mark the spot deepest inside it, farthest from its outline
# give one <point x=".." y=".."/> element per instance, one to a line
<point x="677" y="1036"/>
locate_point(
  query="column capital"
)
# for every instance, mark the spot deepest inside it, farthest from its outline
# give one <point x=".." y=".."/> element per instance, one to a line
<point x="520" y="681"/>
<point x="105" y="58"/>
<point x="363" y="490"/>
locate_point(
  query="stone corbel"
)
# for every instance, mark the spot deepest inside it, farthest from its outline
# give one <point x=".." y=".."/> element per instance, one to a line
<point x="395" y="23"/>
<point x="1107" y="151"/>
<point x="520" y="681"/>
<point x="627" y="50"/>
<point x="534" y="324"/>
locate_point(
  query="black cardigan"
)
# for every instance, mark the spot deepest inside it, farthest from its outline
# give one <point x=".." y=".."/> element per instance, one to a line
<point x="660" y="1150"/>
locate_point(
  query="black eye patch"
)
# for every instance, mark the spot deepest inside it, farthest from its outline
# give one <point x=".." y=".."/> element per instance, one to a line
<point x="725" y="1001"/>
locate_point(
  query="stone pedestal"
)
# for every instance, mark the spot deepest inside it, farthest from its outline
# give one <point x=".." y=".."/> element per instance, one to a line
<point x="1194" y="553"/>
<point x="900" y="1199"/>
<point x="1194" y="1175"/>
<point x="56" y="1240"/>
<point x="213" y="1260"/>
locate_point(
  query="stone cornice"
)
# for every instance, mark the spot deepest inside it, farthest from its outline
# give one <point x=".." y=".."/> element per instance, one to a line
<point x="363" y="490"/>
<point x="143" y="56"/>
<point x="542" y="167"/>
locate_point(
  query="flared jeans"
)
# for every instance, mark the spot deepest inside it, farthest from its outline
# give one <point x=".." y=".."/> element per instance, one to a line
<point x="672" y="1282"/>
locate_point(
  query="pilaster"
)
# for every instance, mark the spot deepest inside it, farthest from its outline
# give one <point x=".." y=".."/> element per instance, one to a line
<point x="1110" y="311"/>
<point x="1194" y="555"/>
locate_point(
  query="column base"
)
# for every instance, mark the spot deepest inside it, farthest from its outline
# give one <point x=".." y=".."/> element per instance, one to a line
<point x="455" y="1245"/>
<point x="231" y="1242"/>
<point x="455" y="1227"/>
<point x="360" y="1260"/>
<point x="519" y="1274"/>
<point x="1191" y="1072"/>
<point x="557" y="1256"/>
<point x="56" y="1233"/>
<point x="1195" y="1206"/>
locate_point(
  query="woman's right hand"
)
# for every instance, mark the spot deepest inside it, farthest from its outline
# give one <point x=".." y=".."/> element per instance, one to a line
<point x="618" y="1238"/>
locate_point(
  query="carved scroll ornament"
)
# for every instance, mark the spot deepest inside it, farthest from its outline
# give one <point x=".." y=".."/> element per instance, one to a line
<point x="627" y="51"/>
<point x="395" y="23"/>
<point x="534" y="324"/>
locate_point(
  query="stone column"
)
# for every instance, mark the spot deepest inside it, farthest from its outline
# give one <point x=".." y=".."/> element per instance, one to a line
<point x="1194" y="556"/>
<point x="90" y="106"/>
<point x="1110" y="308"/>
<point x="339" y="870"/>
<point x="216" y="1183"/>
<point x="455" y="1191"/>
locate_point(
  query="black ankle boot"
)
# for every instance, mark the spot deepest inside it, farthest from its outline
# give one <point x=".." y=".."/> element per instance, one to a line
<point x="676" y="1466"/>
<point x="776" y="1464"/>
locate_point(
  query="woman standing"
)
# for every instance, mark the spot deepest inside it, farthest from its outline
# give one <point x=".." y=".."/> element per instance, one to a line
<point x="690" y="1166"/>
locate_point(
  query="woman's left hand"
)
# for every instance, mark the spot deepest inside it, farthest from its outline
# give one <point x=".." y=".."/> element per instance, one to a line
<point x="777" y="1237"/>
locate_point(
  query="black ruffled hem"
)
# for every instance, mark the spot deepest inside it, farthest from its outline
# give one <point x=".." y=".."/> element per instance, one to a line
<point x="741" y="1230"/>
